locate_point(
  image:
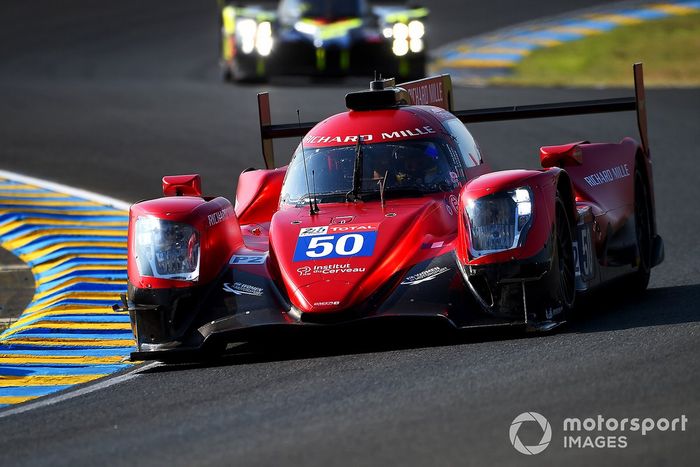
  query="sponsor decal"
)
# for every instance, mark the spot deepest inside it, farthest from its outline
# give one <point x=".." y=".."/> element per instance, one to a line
<point x="328" y="303"/>
<point x="312" y="139"/>
<point x="426" y="130"/>
<point x="336" y="241"/>
<point x="247" y="259"/>
<point x="308" y="231"/>
<point x="342" y="220"/>
<point x="393" y="135"/>
<point x="427" y="275"/>
<point x="240" y="288"/>
<point x="335" y="268"/>
<point x="353" y="228"/>
<point x="608" y="175"/>
<point x="218" y="216"/>
<point x="427" y="94"/>
<point x="597" y="432"/>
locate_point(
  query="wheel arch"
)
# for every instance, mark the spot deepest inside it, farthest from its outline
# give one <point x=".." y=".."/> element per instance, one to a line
<point x="566" y="189"/>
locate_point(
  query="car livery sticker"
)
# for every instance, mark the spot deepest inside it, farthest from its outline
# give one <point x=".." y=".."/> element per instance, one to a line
<point x="239" y="288"/>
<point x="247" y="259"/>
<point x="608" y="175"/>
<point x="425" y="276"/>
<point x="336" y="241"/>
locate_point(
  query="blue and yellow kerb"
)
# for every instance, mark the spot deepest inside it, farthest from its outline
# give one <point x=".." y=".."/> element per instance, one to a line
<point x="69" y="333"/>
<point x="474" y="61"/>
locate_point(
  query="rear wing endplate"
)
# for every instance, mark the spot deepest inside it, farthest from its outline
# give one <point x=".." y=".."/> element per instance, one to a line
<point x="437" y="91"/>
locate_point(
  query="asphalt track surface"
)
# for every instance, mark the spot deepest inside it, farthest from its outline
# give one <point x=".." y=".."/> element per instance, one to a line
<point x="110" y="96"/>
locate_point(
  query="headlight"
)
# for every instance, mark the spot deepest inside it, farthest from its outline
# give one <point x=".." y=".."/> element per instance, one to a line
<point x="263" y="38"/>
<point x="246" y="31"/>
<point x="167" y="250"/>
<point x="305" y="28"/>
<point x="416" y="30"/>
<point x="400" y="47"/>
<point x="498" y="222"/>
<point x="416" y="45"/>
<point x="400" y="31"/>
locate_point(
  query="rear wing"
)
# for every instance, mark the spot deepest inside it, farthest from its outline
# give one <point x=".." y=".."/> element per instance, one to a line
<point x="437" y="91"/>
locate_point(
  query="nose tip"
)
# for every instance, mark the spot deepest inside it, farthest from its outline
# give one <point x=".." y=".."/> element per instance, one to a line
<point x="327" y="296"/>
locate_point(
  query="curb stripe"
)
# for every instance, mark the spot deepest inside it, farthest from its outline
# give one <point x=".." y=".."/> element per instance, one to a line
<point x="75" y="243"/>
<point x="478" y="59"/>
<point x="25" y="371"/>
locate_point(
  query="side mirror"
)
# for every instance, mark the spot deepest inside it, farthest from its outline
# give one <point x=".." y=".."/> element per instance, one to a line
<point x="182" y="185"/>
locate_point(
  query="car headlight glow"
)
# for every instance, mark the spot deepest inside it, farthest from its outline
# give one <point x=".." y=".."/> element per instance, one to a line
<point x="416" y="29"/>
<point x="416" y="45"/>
<point x="246" y="30"/>
<point x="387" y="32"/>
<point x="305" y="28"/>
<point x="498" y="222"/>
<point x="263" y="38"/>
<point x="400" y="31"/>
<point x="166" y="249"/>
<point x="400" y="47"/>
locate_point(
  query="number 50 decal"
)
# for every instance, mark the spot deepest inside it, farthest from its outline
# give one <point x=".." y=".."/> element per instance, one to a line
<point x="335" y="246"/>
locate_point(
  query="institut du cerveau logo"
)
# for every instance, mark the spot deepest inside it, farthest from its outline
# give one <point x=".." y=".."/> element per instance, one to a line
<point x="546" y="433"/>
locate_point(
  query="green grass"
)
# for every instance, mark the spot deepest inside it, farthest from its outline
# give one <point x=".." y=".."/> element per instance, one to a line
<point x="669" y="48"/>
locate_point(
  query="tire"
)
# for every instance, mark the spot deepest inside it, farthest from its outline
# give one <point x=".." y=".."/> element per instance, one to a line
<point x="565" y="254"/>
<point x="562" y="283"/>
<point x="550" y="300"/>
<point x="639" y="280"/>
<point x="226" y="75"/>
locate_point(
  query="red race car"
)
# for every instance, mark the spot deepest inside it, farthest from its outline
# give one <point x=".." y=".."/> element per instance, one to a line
<point x="389" y="210"/>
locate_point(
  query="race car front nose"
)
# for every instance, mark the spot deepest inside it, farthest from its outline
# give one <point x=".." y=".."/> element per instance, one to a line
<point x="326" y="296"/>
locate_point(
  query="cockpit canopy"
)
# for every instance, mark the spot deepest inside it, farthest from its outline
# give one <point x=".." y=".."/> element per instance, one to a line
<point x="409" y="151"/>
<point x="322" y="9"/>
<point x="406" y="168"/>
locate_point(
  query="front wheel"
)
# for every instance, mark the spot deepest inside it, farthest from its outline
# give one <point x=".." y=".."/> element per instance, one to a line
<point x="555" y="294"/>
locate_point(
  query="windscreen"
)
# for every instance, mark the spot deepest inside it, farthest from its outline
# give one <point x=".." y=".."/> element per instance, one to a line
<point x="330" y="9"/>
<point x="407" y="168"/>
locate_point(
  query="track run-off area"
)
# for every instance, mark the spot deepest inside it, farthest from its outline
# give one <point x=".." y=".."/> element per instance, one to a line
<point x="110" y="97"/>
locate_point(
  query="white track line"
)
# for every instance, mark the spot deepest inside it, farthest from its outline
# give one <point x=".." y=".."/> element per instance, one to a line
<point x="88" y="195"/>
<point x="103" y="383"/>
<point x="45" y="401"/>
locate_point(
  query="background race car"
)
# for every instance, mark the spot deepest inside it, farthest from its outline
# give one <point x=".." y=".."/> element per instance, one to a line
<point x="321" y="37"/>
